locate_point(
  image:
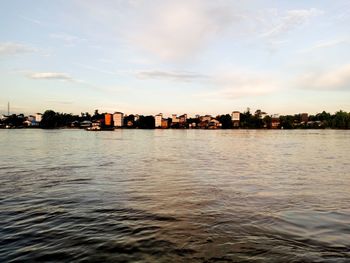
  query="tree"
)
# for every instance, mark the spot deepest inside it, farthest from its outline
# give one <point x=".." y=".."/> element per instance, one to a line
<point x="287" y="122"/>
<point x="341" y="120"/>
<point x="226" y="121"/>
<point x="267" y="122"/>
<point x="146" y="122"/>
<point x="49" y="120"/>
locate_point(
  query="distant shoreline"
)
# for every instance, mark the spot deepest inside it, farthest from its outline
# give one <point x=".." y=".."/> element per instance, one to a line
<point x="176" y="129"/>
<point x="236" y="120"/>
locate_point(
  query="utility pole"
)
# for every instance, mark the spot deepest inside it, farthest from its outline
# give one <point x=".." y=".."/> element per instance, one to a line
<point x="8" y="108"/>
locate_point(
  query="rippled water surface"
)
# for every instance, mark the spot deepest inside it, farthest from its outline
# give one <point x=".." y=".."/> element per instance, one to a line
<point x="175" y="196"/>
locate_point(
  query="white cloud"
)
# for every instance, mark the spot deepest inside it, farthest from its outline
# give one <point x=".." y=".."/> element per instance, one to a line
<point x="96" y="69"/>
<point x="177" y="30"/>
<point x="325" y="44"/>
<point x="290" y="20"/>
<point x="69" y="40"/>
<point x="35" y="21"/>
<point x="170" y="75"/>
<point x="50" y="76"/>
<point x="11" y="48"/>
<point x="180" y="30"/>
<point x="237" y="84"/>
<point x="335" y="79"/>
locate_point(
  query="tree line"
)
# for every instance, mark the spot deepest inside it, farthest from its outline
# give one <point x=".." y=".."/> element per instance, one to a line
<point x="248" y="120"/>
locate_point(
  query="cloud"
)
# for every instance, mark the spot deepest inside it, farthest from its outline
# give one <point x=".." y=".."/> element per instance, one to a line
<point x="11" y="48"/>
<point x="335" y="79"/>
<point x="69" y="40"/>
<point x="60" y="102"/>
<point x="51" y="76"/>
<point x="238" y="84"/>
<point x="96" y="69"/>
<point x="290" y="20"/>
<point x="325" y="44"/>
<point x="178" y="30"/>
<point x="35" y="21"/>
<point x="170" y="75"/>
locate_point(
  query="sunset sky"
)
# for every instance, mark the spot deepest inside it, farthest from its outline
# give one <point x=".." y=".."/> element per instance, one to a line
<point x="146" y="57"/>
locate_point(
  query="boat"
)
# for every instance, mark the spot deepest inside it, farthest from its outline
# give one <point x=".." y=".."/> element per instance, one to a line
<point x="94" y="127"/>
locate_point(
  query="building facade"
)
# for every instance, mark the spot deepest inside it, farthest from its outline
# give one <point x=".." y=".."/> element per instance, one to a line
<point x="108" y="119"/>
<point x="158" y="120"/>
<point x="38" y="117"/>
<point x="236" y="118"/>
<point x="118" y="119"/>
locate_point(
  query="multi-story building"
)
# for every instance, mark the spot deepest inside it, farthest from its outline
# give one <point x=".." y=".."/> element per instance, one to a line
<point x="236" y="117"/>
<point x="158" y="120"/>
<point x="108" y="119"/>
<point x="38" y="117"/>
<point x="118" y="119"/>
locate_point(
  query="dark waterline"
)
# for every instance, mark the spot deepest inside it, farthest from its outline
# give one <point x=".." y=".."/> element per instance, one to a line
<point x="175" y="196"/>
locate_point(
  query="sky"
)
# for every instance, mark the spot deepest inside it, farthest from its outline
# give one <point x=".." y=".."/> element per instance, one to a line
<point x="183" y="56"/>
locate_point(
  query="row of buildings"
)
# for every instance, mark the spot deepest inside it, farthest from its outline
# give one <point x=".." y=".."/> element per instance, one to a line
<point x="159" y="121"/>
<point x="28" y="121"/>
<point x="183" y="121"/>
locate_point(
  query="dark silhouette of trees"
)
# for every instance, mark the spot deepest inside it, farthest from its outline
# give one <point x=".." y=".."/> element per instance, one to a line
<point x="250" y="121"/>
<point x="341" y="120"/>
<point x="49" y="120"/>
<point x="287" y="122"/>
<point x="97" y="116"/>
<point x="226" y="121"/>
<point x="130" y="118"/>
<point x="14" y="120"/>
<point x="267" y="122"/>
<point x="52" y="119"/>
<point x="146" y="122"/>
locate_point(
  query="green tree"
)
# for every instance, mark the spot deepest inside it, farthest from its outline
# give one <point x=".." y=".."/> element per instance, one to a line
<point x="341" y="120"/>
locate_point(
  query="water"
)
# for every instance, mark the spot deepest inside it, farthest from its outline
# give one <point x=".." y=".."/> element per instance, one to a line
<point x="175" y="196"/>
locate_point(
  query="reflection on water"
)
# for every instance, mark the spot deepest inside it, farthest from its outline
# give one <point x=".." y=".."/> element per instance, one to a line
<point x="175" y="196"/>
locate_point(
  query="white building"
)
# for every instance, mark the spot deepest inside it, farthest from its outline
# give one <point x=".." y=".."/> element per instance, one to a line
<point x="235" y="116"/>
<point x="158" y="120"/>
<point x="38" y="117"/>
<point x="118" y="119"/>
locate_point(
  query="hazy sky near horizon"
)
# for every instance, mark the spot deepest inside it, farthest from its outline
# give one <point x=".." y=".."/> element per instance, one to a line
<point x="174" y="56"/>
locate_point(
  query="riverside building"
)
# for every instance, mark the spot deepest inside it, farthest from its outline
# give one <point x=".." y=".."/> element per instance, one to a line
<point x="118" y="119"/>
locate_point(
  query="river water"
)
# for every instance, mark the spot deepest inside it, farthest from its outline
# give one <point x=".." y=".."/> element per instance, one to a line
<point x="175" y="196"/>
